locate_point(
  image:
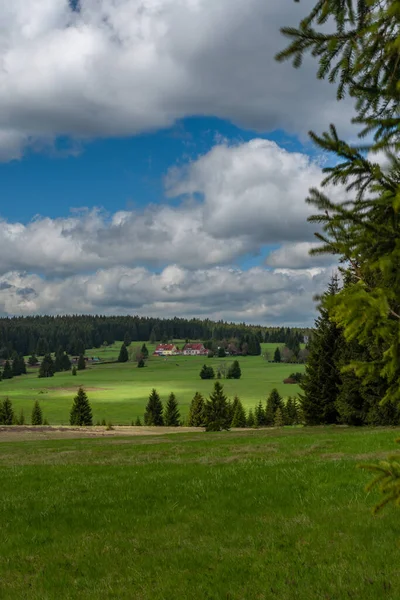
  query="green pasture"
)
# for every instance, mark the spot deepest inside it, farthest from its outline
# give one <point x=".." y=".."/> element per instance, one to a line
<point x="119" y="392"/>
<point x="273" y="514"/>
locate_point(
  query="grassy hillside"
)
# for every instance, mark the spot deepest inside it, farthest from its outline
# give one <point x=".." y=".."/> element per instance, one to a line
<point x="119" y="392"/>
<point x="262" y="514"/>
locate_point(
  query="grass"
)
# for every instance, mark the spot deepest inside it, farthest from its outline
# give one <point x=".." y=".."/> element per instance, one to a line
<point x="119" y="392"/>
<point x="240" y="515"/>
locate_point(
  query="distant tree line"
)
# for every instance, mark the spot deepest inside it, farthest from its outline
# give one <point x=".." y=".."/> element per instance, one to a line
<point x="42" y="335"/>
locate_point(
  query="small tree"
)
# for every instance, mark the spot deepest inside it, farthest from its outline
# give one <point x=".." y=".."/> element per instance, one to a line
<point x="234" y="370"/>
<point x="216" y="410"/>
<point x="81" y="412"/>
<point x="32" y="360"/>
<point x="138" y="422"/>
<point x="47" y="367"/>
<point x="154" y="410"/>
<point x="207" y="372"/>
<point x="81" y="363"/>
<point x="259" y="416"/>
<point x="239" y="414"/>
<point x="273" y="403"/>
<point x="250" y="419"/>
<point x="141" y="363"/>
<point x="74" y="371"/>
<point x="21" y="418"/>
<point x="144" y="352"/>
<point x="6" y="412"/>
<point x="7" y="371"/>
<point x="127" y="340"/>
<point x="65" y="362"/>
<point x="123" y="354"/>
<point x="196" y="411"/>
<point x="37" y="415"/>
<point x="277" y="356"/>
<point x="172" y="417"/>
<point x="278" y="422"/>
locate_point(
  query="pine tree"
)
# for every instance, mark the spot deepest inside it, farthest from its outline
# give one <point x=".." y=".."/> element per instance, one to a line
<point x="239" y="414"/>
<point x="292" y="411"/>
<point x="207" y="372"/>
<point x="81" y="412"/>
<point x="154" y="410"/>
<point x="127" y="341"/>
<point x="277" y="356"/>
<point x="274" y="402"/>
<point x="32" y="360"/>
<point x="81" y="363"/>
<point x="65" y="362"/>
<point x="278" y="421"/>
<point x="144" y="352"/>
<point x="259" y="416"/>
<point x="123" y="354"/>
<point x="6" y="412"/>
<point x="153" y="336"/>
<point x="141" y="363"/>
<point x="7" y="371"/>
<point x="216" y="411"/>
<point x="46" y="367"/>
<point x="21" y="418"/>
<point x="196" y="411"/>
<point x="322" y="379"/>
<point x="172" y="417"/>
<point x="37" y="415"/>
<point x="138" y="422"/>
<point x="250" y="419"/>
<point x="234" y="371"/>
<point x="74" y="371"/>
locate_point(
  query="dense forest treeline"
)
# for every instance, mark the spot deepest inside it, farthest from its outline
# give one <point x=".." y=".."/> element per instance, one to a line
<point x="76" y="333"/>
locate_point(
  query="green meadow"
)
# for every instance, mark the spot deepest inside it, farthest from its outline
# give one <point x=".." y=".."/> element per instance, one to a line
<point x="239" y="515"/>
<point x="119" y="392"/>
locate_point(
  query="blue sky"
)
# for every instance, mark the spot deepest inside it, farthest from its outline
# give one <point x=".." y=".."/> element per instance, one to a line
<point x="117" y="199"/>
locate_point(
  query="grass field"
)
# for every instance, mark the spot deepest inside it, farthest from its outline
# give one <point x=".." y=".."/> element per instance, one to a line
<point x="119" y="392"/>
<point x="240" y="515"/>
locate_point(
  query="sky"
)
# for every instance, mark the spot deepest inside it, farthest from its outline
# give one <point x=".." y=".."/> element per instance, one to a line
<point x="154" y="160"/>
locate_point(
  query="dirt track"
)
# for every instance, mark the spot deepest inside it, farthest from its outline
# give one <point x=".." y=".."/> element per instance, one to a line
<point x="25" y="433"/>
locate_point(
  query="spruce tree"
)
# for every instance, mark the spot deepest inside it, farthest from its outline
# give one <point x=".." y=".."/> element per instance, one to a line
<point x="141" y="363"/>
<point x="81" y="363"/>
<point x="74" y="371"/>
<point x="196" y="411"/>
<point x="234" y="371"/>
<point x="127" y="340"/>
<point x="216" y="411"/>
<point x="144" y="352"/>
<point x="81" y="412"/>
<point x="138" y="422"/>
<point x="172" y="417"/>
<point x="123" y="354"/>
<point x="21" y="418"/>
<point x="207" y="372"/>
<point x="32" y="360"/>
<point x="7" y="371"/>
<point x="277" y="356"/>
<point x="278" y="421"/>
<point x="250" y="419"/>
<point x="259" y="416"/>
<point x="239" y="414"/>
<point x="6" y="412"/>
<point x="37" y="415"/>
<point x="274" y="402"/>
<point x="320" y="385"/>
<point x="65" y="362"/>
<point x="154" y="410"/>
<point x="46" y="367"/>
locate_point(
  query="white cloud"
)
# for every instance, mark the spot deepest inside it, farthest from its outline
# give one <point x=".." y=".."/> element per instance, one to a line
<point x="297" y="256"/>
<point x="256" y="295"/>
<point x="119" y="67"/>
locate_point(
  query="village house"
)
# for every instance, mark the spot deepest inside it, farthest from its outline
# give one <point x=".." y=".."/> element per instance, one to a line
<point x="166" y="350"/>
<point x="195" y="350"/>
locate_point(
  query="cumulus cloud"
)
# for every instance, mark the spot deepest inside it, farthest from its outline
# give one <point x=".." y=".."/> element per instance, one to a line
<point x="119" y="67"/>
<point x="297" y="256"/>
<point x="256" y="296"/>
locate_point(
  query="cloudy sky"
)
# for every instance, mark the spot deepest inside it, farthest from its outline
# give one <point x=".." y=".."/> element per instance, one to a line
<point x="154" y="160"/>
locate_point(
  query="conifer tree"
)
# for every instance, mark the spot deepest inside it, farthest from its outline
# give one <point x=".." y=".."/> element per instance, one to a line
<point x="81" y="412"/>
<point x="172" y="417"/>
<point x="123" y="354"/>
<point x="196" y="411"/>
<point x="234" y="371"/>
<point x="322" y="378"/>
<point x="141" y="363"/>
<point x="7" y="371"/>
<point x="65" y="362"/>
<point x="292" y="411"/>
<point x="154" y="410"/>
<point x="21" y="418"/>
<point x="278" y="421"/>
<point x="144" y="352"/>
<point x="274" y="402"/>
<point x="6" y="412"/>
<point x="74" y="371"/>
<point x="259" y="416"/>
<point x="46" y="367"/>
<point x="127" y="340"/>
<point x="207" y="372"/>
<point x="138" y="422"/>
<point x="32" y="360"/>
<point x="37" y="415"/>
<point x="239" y="414"/>
<point x="277" y="356"/>
<point x="216" y="411"/>
<point x="81" y="363"/>
<point x="250" y="419"/>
